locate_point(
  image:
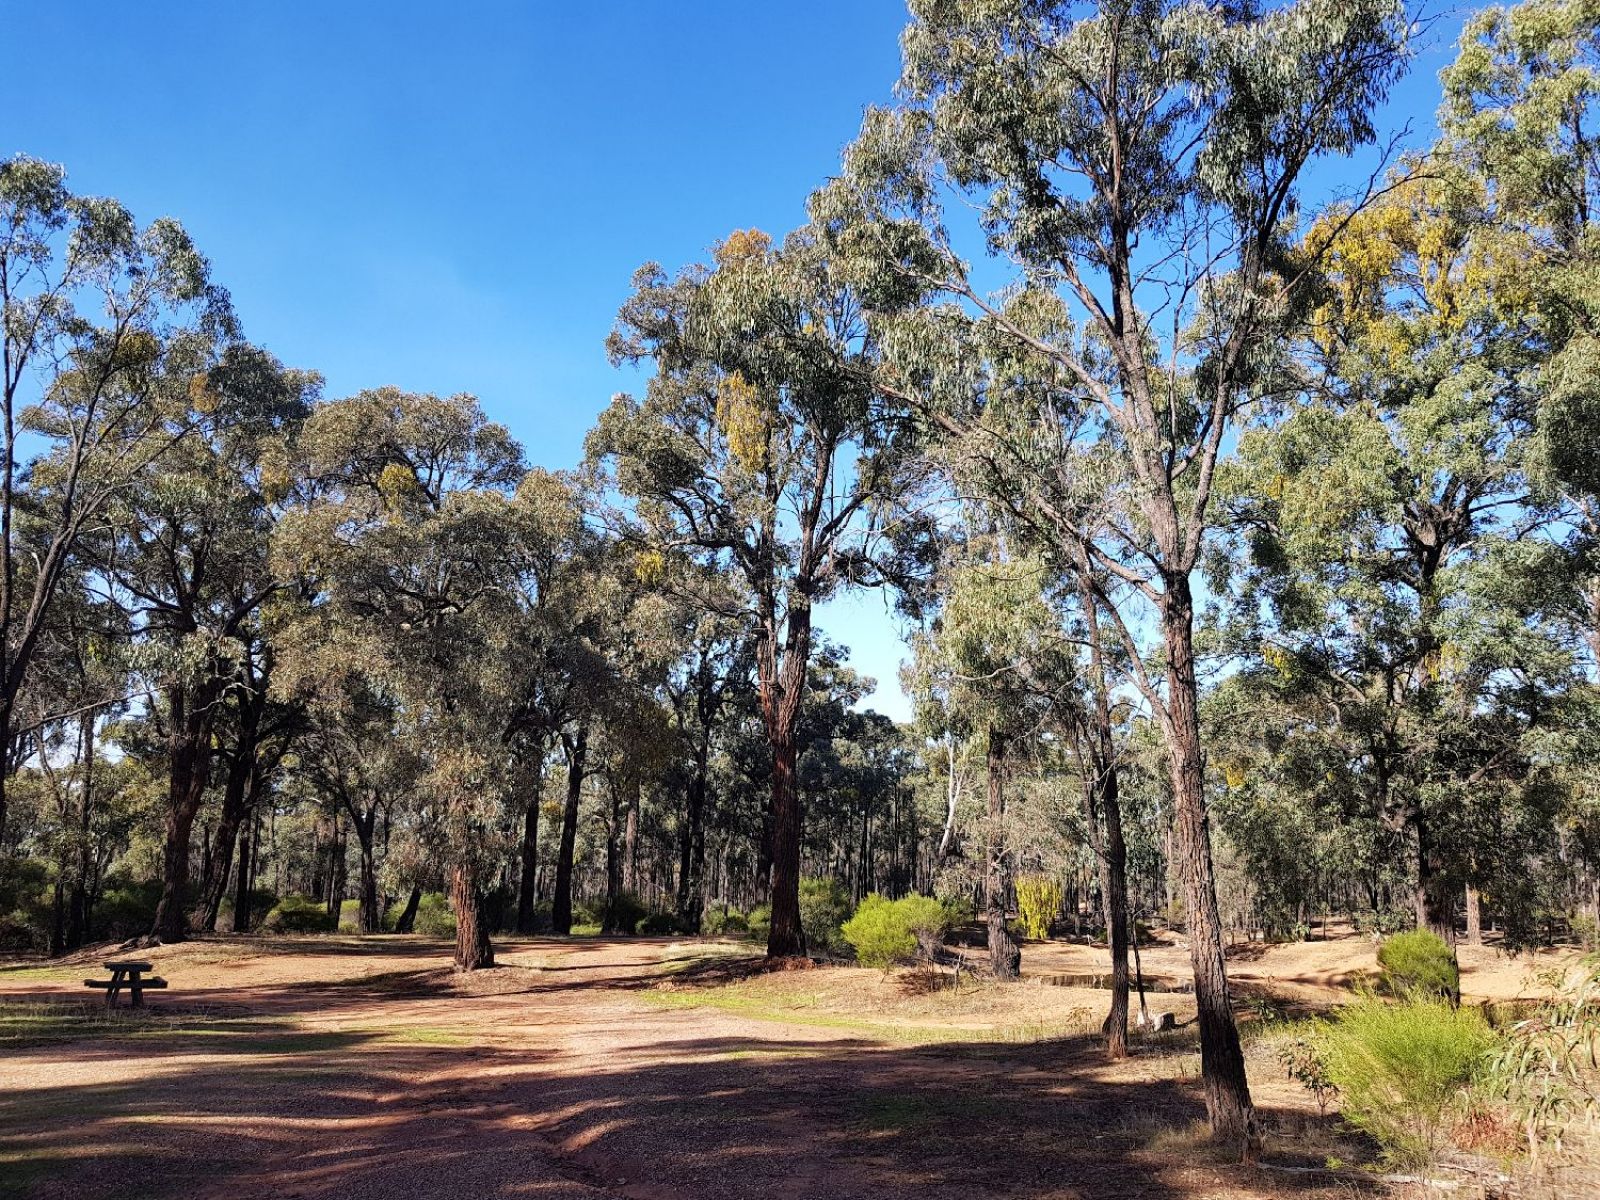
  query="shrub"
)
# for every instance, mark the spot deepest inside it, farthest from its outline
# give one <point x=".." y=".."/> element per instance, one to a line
<point x="760" y="921"/>
<point x="350" y="916"/>
<point x="958" y="910"/>
<point x="628" y="911"/>
<point x="824" y="907"/>
<point x="1400" y="1067"/>
<point x="884" y="932"/>
<point x="1418" y="965"/>
<point x="1039" y="900"/>
<point x="659" y="922"/>
<point x="717" y="921"/>
<point x="434" y="918"/>
<point x="298" y="914"/>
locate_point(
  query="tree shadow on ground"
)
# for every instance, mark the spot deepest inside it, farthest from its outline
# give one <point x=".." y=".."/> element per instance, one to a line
<point x="346" y="1114"/>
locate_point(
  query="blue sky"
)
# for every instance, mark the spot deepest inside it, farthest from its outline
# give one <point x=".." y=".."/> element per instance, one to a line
<point x="452" y="197"/>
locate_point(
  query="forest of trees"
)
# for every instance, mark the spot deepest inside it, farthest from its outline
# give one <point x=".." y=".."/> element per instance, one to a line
<point x="1232" y="461"/>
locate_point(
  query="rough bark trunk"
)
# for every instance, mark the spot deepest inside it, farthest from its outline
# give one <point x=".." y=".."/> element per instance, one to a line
<point x="473" y="951"/>
<point x="1228" y="1105"/>
<point x="528" y="884"/>
<point x="214" y="884"/>
<point x="1005" y="956"/>
<point x="189" y="750"/>
<point x="561" y="904"/>
<point x="1474" y="918"/>
<point x="782" y="691"/>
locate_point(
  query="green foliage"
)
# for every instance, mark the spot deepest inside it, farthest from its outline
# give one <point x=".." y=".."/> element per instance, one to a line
<point x="1401" y="1067"/>
<point x="627" y="913"/>
<point x="1547" y="1067"/>
<point x="1418" y="965"/>
<point x="824" y="907"/>
<point x="350" y="916"/>
<point x="884" y="932"/>
<point x="298" y="914"/>
<point x="1039" y="899"/>
<point x="722" y="920"/>
<point x="434" y="918"/>
<point x="24" y="906"/>
<point x="659" y="922"/>
<point x="760" y="922"/>
<point x="958" y="910"/>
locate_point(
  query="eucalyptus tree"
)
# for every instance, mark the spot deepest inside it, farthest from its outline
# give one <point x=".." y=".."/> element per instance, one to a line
<point x="1007" y="663"/>
<point x="104" y="327"/>
<point x="185" y="549"/>
<point x="1137" y="162"/>
<point x="412" y="534"/>
<point x="715" y="665"/>
<point x="761" y="447"/>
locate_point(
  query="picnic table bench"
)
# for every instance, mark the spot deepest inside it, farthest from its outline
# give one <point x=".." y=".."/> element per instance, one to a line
<point x="126" y="973"/>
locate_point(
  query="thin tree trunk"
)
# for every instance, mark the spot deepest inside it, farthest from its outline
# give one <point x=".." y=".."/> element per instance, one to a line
<point x="561" y="904"/>
<point x="244" y="878"/>
<point x="1005" y="956"/>
<point x="692" y="843"/>
<point x="473" y="951"/>
<point x="370" y="919"/>
<point x="528" y="883"/>
<point x="609" y="920"/>
<point x="1228" y="1105"/>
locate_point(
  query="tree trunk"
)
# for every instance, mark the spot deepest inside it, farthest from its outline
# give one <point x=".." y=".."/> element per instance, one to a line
<point x="243" y="887"/>
<point x="528" y="883"/>
<point x="370" y="919"/>
<point x="561" y="905"/>
<point x="408" y="915"/>
<point x="1005" y="956"/>
<point x="787" y="938"/>
<point x="1228" y="1105"/>
<point x="214" y="884"/>
<point x="1474" y="918"/>
<point x="473" y="951"/>
<point x="189" y="749"/>
<point x="1435" y="900"/>
<point x="782" y="692"/>
<point x="609" y="920"/>
<point x="692" y="844"/>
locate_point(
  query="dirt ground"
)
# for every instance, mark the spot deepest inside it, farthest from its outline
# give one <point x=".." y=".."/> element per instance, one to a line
<point x="640" y="1068"/>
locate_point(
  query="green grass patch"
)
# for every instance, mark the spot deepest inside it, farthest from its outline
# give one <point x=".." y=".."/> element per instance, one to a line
<point x="804" y="1011"/>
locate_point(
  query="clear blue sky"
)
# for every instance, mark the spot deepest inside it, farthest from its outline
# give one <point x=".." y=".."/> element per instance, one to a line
<point x="452" y="197"/>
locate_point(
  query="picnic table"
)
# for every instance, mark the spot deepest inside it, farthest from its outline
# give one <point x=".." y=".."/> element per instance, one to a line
<point x="126" y="973"/>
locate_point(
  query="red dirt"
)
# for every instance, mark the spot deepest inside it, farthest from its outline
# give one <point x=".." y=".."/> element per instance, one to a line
<point x="364" y="1067"/>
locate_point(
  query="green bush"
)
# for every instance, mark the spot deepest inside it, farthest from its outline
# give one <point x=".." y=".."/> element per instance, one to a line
<point x="824" y="907"/>
<point x="298" y="914"/>
<point x="718" y="921"/>
<point x="958" y="910"/>
<point x="659" y="922"/>
<point x="1400" y="1067"/>
<point x="884" y="932"/>
<point x="434" y="918"/>
<point x="1418" y="965"/>
<point x="349" y="916"/>
<point x="629" y="911"/>
<point x="1039" y="900"/>
<point x="127" y="908"/>
<point x="760" y="922"/>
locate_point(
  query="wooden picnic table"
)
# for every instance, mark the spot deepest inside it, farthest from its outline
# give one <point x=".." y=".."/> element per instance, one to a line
<point x="130" y="974"/>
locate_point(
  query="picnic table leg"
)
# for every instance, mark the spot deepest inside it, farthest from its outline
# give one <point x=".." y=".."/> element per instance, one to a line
<point x="116" y="984"/>
<point x="137" y="991"/>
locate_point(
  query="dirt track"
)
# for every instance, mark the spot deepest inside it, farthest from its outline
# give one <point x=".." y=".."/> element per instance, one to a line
<point x="355" y="1068"/>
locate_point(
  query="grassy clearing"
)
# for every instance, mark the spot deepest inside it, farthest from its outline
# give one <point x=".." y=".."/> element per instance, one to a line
<point x="876" y="1006"/>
